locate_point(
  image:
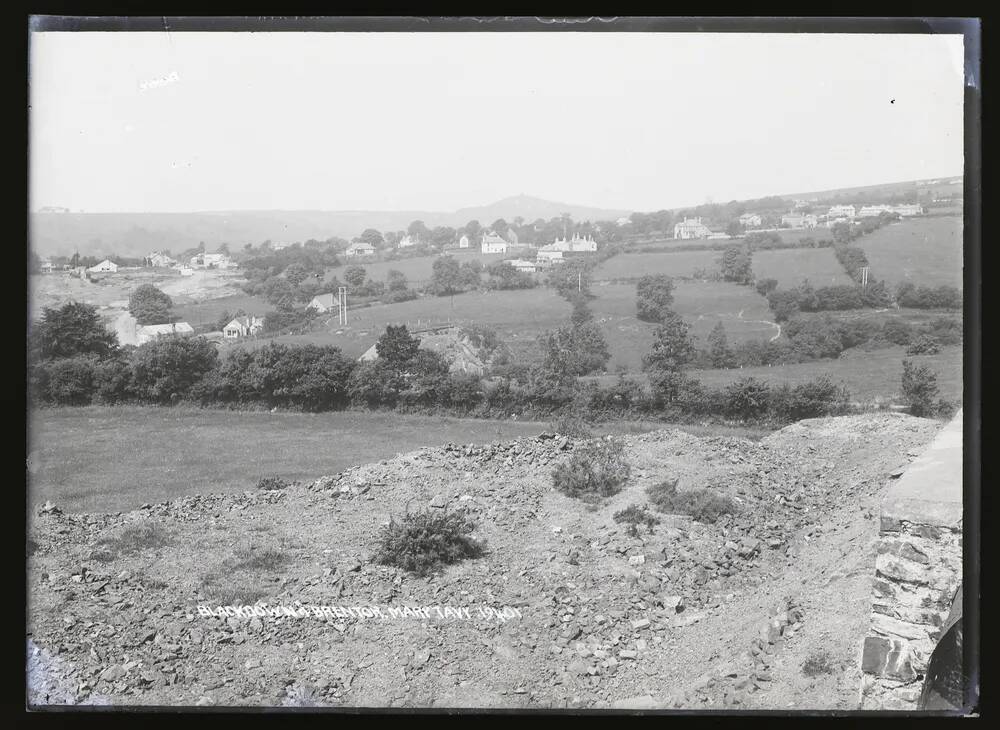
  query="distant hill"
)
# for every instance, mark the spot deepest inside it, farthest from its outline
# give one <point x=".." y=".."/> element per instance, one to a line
<point x="136" y="234"/>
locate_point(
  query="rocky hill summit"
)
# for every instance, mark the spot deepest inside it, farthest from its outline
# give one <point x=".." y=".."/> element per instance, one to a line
<point x="765" y="608"/>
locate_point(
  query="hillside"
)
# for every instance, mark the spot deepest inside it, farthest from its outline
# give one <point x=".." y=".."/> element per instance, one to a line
<point x="687" y="615"/>
<point x="136" y="234"/>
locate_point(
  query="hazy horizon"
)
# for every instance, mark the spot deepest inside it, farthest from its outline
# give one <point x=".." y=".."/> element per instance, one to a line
<point x="241" y="122"/>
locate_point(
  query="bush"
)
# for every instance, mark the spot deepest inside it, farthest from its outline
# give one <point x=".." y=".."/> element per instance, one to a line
<point x="819" y="662"/>
<point x="747" y="398"/>
<point x="919" y="388"/>
<point x="592" y="473"/>
<point x="703" y="505"/>
<point x="654" y="293"/>
<point x="925" y="297"/>
<point x="766" y="286"/>
<point x="923" y="345"/>
<point x="897" y="331"/>
<point x="424" y="541"/>
<point x="164" y="369"/>
<point x="633" y="516"/>
<point x="819" y="397"/>
<point x="572" y="426"/>
<point x="68" y="381"/>
<point x="272" y="483"/>
<point x="131" y="539"/>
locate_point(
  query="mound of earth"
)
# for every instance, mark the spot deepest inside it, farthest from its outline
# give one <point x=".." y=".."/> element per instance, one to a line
<point x="691" y="615"/>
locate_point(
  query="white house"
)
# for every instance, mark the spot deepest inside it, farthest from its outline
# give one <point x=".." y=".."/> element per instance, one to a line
<point x="528" y="267"/>
<point x="841" y="211"/>
<point x="46" y="267"/>
<point x="751" y="220"/>
<point x="549" y="254"/>
<point x="492" y="243"/>
<point x="243" y="327"/>
<point x="798" y="220"/>
<point x="908" y="209"/>
<point x="624" y="220"/>
<point x="152" y="331"/>
<point x="185" y="270"/>
<point x="407" y="241"/>
<point x="360" y="249"/>
<point x="463" y="242"/>
<point x="577" y="244"/>
<point x="104" y="267"/>
<point x="873" y="211"/>
<point x="691" y="228"/>
<point x="159" y="259"/>
<point x="323" y="302"/>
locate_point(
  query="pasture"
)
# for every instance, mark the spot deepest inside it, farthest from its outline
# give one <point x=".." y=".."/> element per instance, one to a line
<point x="109" y="459"/>
<point x="926" y="251"/>
<point x="791" y="265"/>
<point x="627" y="266"/>
<point x="208" y="311"/>
<point x="417" y="269"/>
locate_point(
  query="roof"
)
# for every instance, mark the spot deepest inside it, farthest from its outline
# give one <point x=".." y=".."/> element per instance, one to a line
<point x="165" y="329"/>
<point x="493" y="238"/>
<point x="325" y="300"/>
<point x="360" y="245"/>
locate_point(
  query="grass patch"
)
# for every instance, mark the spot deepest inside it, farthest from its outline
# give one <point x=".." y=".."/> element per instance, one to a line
<point x="272" y="483"/>
<point x="818" y="663"/>
<point x="423" y="542"/>
<point x="704" y="505"/>
<point x="572" y="426"/>
<point x="237" y="580"/>
<point x="594" y="472"/>
<point x="129" y="540"/>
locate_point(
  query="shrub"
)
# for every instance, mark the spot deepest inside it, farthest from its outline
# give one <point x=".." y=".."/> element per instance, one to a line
<point x="424" y="541"/>
<point x="897" y="331"/>
<point x="67" y="381"/>
<point x="131" y="539"/>
<point x="165" y="368"/>
<point x="747" y="398"/>
<point x="572" y="426"/>
<point x="703" y="505"/>
<point x="272" y="483"/>
<point x="919" y="388"/>
<point x="633" y="516"/>
<point x="923" y="345"/>
<point x="766" y="286"/>
<point x="594" y="472"/>
<point x="252" y="556"/>
<point x="819" y="397"/>
<point x="653" y="295"/>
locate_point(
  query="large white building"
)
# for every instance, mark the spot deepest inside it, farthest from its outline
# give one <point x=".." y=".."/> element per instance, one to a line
<point x="105" y="267"/>
<point x="873" y="211"/>
<point x="751" y="220"/>
<point x="406" y="241"/>
<point x="577" y="244"/>
<point x="152" y="331"/>
<point x="908" y="209"/>
<point x="691" y="228"/>
<point x="492" y="243"/>
<point x="798" y="220"/>
<point x="841" y="211"/>
<point x="528" y="267"/>
<point x="360" y="249"/>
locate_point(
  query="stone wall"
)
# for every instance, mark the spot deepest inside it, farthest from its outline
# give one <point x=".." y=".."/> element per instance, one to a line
<point x="918" y="569"/>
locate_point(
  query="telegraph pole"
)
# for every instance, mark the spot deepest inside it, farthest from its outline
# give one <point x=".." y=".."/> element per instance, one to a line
<point x="342" y="304"/>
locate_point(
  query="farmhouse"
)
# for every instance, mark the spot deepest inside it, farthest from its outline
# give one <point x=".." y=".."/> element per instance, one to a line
<point x="528" y="267"/>
<point x="407" y="241"/>
<point x="46" y="267"/>
<point x="691" y="228"/>
<point x="105" y="266"/>
<point x="159" y="259"/>
<point x="360" y="249"/>
<point x="873" y="211"/>
<point x="907" y="210"/>
<point x="463" y="242"/>
<point x="841" y="211"/>
<point x="323" y="302"/>
<point x="548" y="255"/>
<point x="798" y="220"/>
<point x="751" y="220"/>
<point x="492" y="243"/>
<point x="243" y="327"/>
<point x="152" y="331"/>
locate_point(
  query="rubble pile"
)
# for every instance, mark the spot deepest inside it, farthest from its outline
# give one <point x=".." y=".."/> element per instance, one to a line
<point x="586" y="615"/>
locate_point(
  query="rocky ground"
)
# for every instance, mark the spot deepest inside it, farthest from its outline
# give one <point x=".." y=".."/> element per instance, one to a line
<point x="764" y="609"/>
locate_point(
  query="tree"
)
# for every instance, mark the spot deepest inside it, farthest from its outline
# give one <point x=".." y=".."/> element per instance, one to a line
<point x="73" y="329"/>
<point x="672" y="346"/>
<point x="842" y="232"/>
<point x="736" y="265"/>
<point x="581" y="311"/>
<point x="395" y="280"/>
<point x="355" y="276"/>
<point x="166" y="368"/>
<point x="718" y="347"/>
<point x="446" y="277"/>
<point x="149" y="305"/>
<point x="397" y="347"/>
<point x="504" y="276"/>
<point x="571" y="278"/>
<point x="734" y="229"/>
<point x="296" y="273"/>
<point x="575" y="350"/>
<point x="500" y="226"/>
<point x="373" y="237"/>
<point x="418" y="230"/>
<point x="766" y="286"/>
<point x="653" y="297"/>
<point x="442" y="235"/>
<point x="472" y="230"/>
<point x="920" y="388"/>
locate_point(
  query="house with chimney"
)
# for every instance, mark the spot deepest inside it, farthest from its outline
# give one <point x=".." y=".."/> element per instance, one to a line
<point x="324" y="302"/>
<point x="243" y="327"/>
<point x="492" y="243"/>
<point x="150" y="332"/>
<point x="691" y="228"/>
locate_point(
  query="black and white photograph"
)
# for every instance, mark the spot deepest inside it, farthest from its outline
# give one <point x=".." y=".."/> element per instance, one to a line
<point x="577" y="365"/>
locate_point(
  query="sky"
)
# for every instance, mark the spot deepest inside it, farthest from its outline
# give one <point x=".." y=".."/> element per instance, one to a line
<point x="159" y="122"/>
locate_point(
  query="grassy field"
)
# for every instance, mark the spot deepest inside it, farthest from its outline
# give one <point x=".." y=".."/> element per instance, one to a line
<point x="927" y="251"/>
<point x="867" y="375"/>
<point x="791" y="265"/>
<point x="677" y="263"/>
<point x="96" y="459"/>
<point x="418" y="269"/>
<point x="208" y="311"/>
